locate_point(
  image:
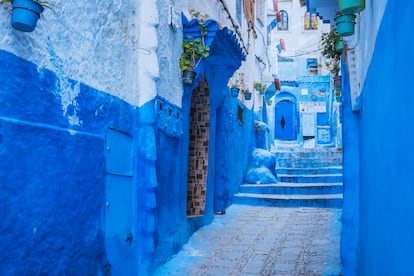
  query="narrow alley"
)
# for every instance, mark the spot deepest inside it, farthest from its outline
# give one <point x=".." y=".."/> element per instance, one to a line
<point x="257" y="240"/>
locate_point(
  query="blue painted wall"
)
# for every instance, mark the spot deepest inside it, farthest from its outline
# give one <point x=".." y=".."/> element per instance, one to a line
<point x="351" y="179"/>
<point x="386" y="150"/>
<point x="52" y="174"/>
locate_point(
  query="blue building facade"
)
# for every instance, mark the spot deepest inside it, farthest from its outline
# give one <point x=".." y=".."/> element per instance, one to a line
<point x="378" y="195"/>
<point x="96" y="166"/>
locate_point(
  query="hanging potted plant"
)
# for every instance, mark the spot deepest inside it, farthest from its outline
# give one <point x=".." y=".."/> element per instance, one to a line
<point x="235" y="83"/>
<point x="260" y="87"/>
<point x="352" y="6"/>
<point x="247" y="94"/>
<point x="194" y="50"/>
<point x="330" y="43"/>
<point x="345" y="23"/>
<point x="26" y="13"/>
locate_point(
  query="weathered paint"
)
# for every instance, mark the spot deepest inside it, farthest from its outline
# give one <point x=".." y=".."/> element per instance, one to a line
<point x="53" y="171"/>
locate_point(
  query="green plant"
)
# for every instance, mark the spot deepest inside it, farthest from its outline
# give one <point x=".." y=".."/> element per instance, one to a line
<point x="194" y="50"/>
<point x="329" y="42"/>
<point x="261" y="87"/>
<point x="237" y="80"/>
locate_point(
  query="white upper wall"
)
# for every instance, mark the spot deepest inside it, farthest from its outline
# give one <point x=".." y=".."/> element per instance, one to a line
<point x="300" y="43"/>
<point x="95" y="42"/>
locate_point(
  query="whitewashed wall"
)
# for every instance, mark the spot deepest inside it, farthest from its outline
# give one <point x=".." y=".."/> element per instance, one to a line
<point x="99" y="43"/>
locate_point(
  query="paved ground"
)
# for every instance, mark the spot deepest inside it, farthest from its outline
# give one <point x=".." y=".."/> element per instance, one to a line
<point x="255" y="240"/>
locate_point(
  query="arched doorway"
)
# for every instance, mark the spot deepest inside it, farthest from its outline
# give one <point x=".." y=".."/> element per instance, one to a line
<point x="286" y="119"/>
<point x="198" y="150"/>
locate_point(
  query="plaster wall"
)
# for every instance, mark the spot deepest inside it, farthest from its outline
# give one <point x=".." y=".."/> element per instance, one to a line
<point x="366" y="30"/>
<point x="300" y="44"/>
<point x="98" y="44"/>
<point x="54" y="192"/>
<point x="386" y="191"/>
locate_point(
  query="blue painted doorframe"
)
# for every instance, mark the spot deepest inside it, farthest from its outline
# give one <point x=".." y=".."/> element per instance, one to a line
<point x="286" y="120"/>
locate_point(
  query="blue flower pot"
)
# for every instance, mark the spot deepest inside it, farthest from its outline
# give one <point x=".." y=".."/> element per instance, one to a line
<point x="247" y="96"/>
<point x="25" y="15"/>
<point x="345" y="24"/>
<point x="234" y="91"/>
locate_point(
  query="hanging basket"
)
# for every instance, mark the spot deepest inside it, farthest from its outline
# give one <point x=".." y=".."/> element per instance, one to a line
<point x="234" y="92"/>
<point x="188" y="77"/>
<point x="345" y="24"/>
<point x="351" y="6"/>
<point x="25" y="15"/>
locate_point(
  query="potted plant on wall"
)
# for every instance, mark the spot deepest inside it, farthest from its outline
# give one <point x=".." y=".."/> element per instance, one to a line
<point x="194" y="50"/>
<point x="235" y="83"/>
<point x="260" y="87"/>
<point x="331" y="49"/>
<point x="25" y="13"/>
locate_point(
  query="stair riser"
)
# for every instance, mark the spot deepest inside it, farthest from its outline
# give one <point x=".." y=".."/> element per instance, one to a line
<point x="314" y="190"/>
<point x="309" y="171"/>
<point x="308" y="164"/>
<point x="310" y="179"/>
<point x="319" y="203"/>
<point x="308" y="155"/>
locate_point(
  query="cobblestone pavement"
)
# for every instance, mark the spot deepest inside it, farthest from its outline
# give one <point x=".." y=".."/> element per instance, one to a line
<point x="255" y="240"/>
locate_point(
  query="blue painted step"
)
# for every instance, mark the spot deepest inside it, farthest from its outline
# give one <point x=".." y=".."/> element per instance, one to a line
<point x="319" y="201"/>
<point x="313" y="178"/>
<point x="292" y="188"/>
<point x="309" y="171"/>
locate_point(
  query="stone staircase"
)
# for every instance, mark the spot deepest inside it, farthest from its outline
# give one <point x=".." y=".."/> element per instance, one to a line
<point x="307" y="177"/>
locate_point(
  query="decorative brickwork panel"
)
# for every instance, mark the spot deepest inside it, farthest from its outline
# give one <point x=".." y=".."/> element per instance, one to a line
<point x="198" y="153"/>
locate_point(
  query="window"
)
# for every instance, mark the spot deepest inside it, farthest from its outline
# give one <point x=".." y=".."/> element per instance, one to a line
<point x="312" y="66"/>
<point x="310" y="21"/>
<point x="283" y="22"/>
<point x="239" y="12"/>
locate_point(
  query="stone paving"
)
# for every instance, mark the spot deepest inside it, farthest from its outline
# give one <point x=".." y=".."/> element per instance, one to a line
<point x="257" y="240"/>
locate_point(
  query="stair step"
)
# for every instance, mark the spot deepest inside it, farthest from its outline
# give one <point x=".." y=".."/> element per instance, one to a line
<point x="314" y="178"/>
<point x="308" y="171"/>
<point x="321" y="201"/>
<point x="292" y="188"/>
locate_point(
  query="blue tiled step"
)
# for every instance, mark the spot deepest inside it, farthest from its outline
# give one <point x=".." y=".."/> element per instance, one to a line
<point x="292" y="188"/>
<point x="315" y="178"/>
<point x="321" y="201"/>
<point x="309" y="171"/>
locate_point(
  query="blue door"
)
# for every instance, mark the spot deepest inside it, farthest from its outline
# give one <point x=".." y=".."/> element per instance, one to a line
<point x="120" y="239"/>
<point x="286" y="124"/>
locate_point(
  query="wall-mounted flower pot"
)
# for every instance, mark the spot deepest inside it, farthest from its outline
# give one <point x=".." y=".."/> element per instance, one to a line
<point x="345" y="24"/>
<point x="188" y="77"/>
<point x="277" y="84"/>
<point x="25" y="15"/>
<point x="351" y="6"/>
<point x="337" y="82"/>
<point x="234" y="91"/>
<point x="247" y="96"/>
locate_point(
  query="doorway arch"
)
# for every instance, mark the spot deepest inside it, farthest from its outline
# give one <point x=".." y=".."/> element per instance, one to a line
<point x="286" y="117"/>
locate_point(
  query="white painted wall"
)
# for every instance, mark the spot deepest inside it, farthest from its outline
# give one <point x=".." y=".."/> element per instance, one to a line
<point x="96" y="42"/>
<point x="300" y="44"/>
